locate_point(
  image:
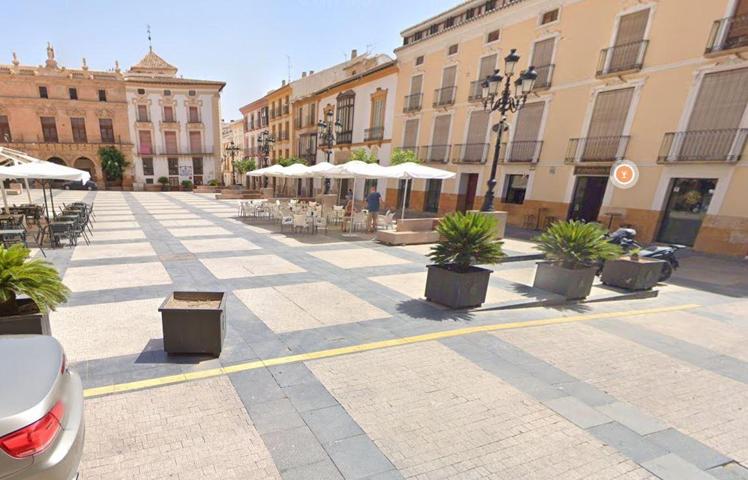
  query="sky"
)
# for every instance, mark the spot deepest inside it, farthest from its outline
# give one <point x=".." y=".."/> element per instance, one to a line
<point x="246" y="44"/>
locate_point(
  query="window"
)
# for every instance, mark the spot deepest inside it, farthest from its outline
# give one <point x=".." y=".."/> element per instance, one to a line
<point x="78" y="126"/>
<point x="197" y="170"/>
<point x="449" y="22"/>
<point x="431" y="200"/>
<point x="167" y="93"/>
<point x="49" y="129"/>
<point x="102" y="95"/>
<point x="345" y="105"/>
<point x="170" y="140"/>
<point x="434" y="29"/>
<point x="493" y="36"/>
<point x="549" y="17"/>
<point x="173" y="171"/>
<point x="439" y="147"/>
<point x="470" y="13"/>
<point x="628" y="49"/>
<point x="515" y="188"/>
<point x="475" y="148"/>
<point x="5" y="129"/>
<point x="168" y="114"/>
<point x="141" y="91"/>
<point x="542" y="56"/>
<point x="604" y="137"/>
<point x="452" y="49"/>
<point x="43" y="92"/>
<point x="490" y="5"/>
<point x="143" y="113"/>
<point x="196" y="142"/>
<point x="377" y="109"/>
<point x="73" y="93"/>
<point x="149" y="181"/>
<point x="194" y="115"/>
<point x="419" y="60"/>
<point x="417" y="36"/>
<point x="148" y="166"/>
<point x="410" y="134"/>
<point x="145" y="145"/>
<point x="525" y="146"/>
<point x="107" y="130"/>
<point x="191" y="93"/>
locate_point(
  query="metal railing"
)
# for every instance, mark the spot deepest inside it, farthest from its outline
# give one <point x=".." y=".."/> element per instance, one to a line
<point x="523" y="151"/>
<point x="285" y="109"/>
<point x="470" y="152"/>
<point x="545" y="74"/>
<point x="434" y="153"/>
<point x="727" y="34"/>
<point x="476" y="91"/>
<point x="622" y="58"/>
<point x="444" y="96"/>
<point x="413" y="102"/>
<point x="373" y="133"/>
<point x="597" y="149"/>
<point x="297" y="122"/>
<point x="724" y="145"/>
<point x="344" y="137"/>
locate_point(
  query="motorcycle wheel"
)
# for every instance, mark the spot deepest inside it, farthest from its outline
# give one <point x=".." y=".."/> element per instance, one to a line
<point x="667" y="271"/>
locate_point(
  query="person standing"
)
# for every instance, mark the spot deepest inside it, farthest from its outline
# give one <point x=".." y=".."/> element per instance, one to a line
<point x="372" y="204"/>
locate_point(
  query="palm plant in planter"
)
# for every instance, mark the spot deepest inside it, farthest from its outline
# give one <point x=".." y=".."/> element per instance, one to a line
<point x="36" y="279"/>
<point x="573" y="250"/>
<point x="466" y="240"/>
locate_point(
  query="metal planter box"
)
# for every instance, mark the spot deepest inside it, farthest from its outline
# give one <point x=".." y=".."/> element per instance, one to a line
<point x="572" y="284"/>
<point x="641" y="274"/>
<point x="457" y="289"/>
<point x="27" y="323"/>
<point x="194" y="322"/>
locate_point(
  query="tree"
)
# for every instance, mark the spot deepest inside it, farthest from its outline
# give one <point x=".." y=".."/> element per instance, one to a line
<point x="364" y="155"/>
<point x="112" y="162"/>
<point x="286" y="162"/>
<point x="402" y="156"/>
<point x="244" y="165"/>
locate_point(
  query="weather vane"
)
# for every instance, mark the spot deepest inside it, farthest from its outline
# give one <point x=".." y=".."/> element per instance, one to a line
<point x="150" y="43"/>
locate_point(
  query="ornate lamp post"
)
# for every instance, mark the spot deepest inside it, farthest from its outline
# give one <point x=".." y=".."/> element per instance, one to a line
<point x="504" y="102"/>
<point x="328" y="131"/>
<point x="231" y="151"/>
<point x="266" y="141"/>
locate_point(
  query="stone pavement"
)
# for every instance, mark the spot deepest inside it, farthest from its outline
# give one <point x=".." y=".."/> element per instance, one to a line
<point x="626" y="395"/>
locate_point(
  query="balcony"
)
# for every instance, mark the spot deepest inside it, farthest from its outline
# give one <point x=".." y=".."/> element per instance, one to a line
<point x="475" y="153"/>
<point x="620" y="59"/>
<point x="311" y="121"/>
<point x="522" y="151"/>
<point x="476" y="91"/>
<point x="444" y="97"/>
<point x="344" y="138"/>
<point x="285" y="109"/>
<point x="728" y="34"/>
<point x="545" y="74"/>
<point x="434" y="153"/>
<point x="283" y="136"/>
<point x="373" y="134"/>
<point x="309" y="158"/>
<point x="413" y="102"/>
<point x="725" y="145"/>
<point x="597" y="149"/>
<point x="297" y="123"/>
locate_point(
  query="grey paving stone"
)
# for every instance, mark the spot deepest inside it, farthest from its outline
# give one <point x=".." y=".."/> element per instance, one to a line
<point x="331" y="423"/>
<point x="632" y="418"/>
<point x="324" y="470"/>
<point x="309" y="396"/>
<point x="628" y="442"/>
<point x="585" y="392"/>
<point x="358" y="457"/>
<point x="731" y="471"/>
<point x="294" y="448"/>
<point x="672" y="467"/>
<point x="688" y="448"/>
<point x="275" y="416"/>
<point x="292" y="374"/>
<point x="577" y="412"/>
<point x="391" y="475"/>
<point x="256" y="386"/>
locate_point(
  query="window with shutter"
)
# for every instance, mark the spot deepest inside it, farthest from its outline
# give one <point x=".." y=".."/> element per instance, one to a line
<point x="486" y="68"/>
<point x="628" y="49"/>
<point x="410" y="133"/>
<point x="446" y="94"/>
<point x="475" y="147"/>
<point x="170" y="140"/>
<point x="196" y="143"/>
<point x="49" y="129"/>
<point x="5" y="129"/>
<point x="542" y="56"/>
<point x="106" y="129"/>
<point x="145" y="145"/>
<point x="440" y="139"/>
<point x="604" y="136"/>
<point x="78" y="125"/>
<point x="416" y="83"/>
<point x="142" y="113"/>
<point x="525" y="145"/>
<point x="168" y="114"/>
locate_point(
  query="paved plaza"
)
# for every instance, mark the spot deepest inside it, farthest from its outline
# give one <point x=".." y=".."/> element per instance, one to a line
<point x="335" y="367"/>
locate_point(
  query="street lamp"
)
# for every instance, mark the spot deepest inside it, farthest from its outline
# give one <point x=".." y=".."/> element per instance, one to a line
<point x="232" y="150"/>
<point x="328" y="131"/>
<point x="504" y="102"/>
<point x="266" y="141"/>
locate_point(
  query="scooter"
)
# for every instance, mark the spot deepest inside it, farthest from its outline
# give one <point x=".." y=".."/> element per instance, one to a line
<point x="626" y="238"/>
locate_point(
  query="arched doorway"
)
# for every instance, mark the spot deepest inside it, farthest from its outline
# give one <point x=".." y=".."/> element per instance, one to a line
<point x="57" y="160"/>
<point x="85" y="164"/>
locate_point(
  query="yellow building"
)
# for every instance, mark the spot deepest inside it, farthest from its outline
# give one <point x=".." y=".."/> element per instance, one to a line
<point x="279" y="115"/>
<point x="618" y="79"/>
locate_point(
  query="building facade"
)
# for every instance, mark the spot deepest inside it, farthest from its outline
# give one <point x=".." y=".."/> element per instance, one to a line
<point x="232" y="136"/>
<point x="279" y="115"/>
<point x="175" y="122"/>
<point x="615" y="82"/>
<point x="64" y="114"/>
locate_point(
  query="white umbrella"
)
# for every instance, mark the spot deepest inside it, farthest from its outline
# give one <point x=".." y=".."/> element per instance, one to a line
<point x="409" y="170"/>
<point x="296" y="170"/>
<point x="319" y="169"/>
<point x="271" y="171"/>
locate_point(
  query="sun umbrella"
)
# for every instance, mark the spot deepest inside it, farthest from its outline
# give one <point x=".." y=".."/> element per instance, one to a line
<point x="409" y="170"/>
<point x="271" y="171"/>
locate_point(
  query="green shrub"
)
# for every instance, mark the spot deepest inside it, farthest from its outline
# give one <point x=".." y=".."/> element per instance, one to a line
<point x="244" y="165"/>
<point x="186" y="184"/>
<point x="213" y="183"/>
<point x="112" y="162"/>
<point x="466" y="239"/>
<point x="286" y="162"/>
<point x="364" y="155"/>
<point x="37" y="279"/>
<point x="163" y="181"/>
<point x="403" y="156"/>
<point x="575" y="244"/>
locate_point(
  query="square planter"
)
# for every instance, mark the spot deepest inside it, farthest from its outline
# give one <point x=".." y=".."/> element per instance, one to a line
<point x="29" y="321"/>
<point x="641" y="274"/>
<point x="572" y="284"/>
<point x="194" y="322"/>
<point x="457" y="289"/>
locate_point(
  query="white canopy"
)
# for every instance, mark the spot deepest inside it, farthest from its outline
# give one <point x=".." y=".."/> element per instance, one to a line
<point x="359" y="169"/>
<point x="43" y="170"/>
<point x="410" y="170"/>
<point x="319" y="169"/>
<point x="297" y="170"/>
<point x="271" y="171"/>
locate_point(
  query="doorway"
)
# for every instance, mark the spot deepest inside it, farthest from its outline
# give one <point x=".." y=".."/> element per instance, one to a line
<point x="685" y="210"/>
<point x="468" y="187"/>
<point x="588" y="198"/>
<point x="433" y="191"/>
<point x="401" y="187"/>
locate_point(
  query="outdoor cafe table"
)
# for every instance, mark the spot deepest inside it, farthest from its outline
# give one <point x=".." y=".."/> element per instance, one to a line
<point x="12" y="234"/>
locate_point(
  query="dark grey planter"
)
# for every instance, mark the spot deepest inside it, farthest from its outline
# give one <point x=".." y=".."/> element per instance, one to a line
<point x="31" y="323"/>
<point x="191" y="328"/>
<point x="572" y="284"/>
<point x="641" y="274"/>
<point x="457" y="289"/>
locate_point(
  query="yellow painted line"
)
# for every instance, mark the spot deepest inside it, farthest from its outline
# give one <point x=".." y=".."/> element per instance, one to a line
<point x="365" y="347"/>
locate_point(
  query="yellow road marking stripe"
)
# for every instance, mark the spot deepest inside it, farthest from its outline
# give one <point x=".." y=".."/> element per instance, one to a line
<point x="365" y="347"/>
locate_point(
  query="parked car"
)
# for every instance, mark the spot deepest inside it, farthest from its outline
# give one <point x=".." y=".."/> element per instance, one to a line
<point x="41" y="410"/>
<point x="89" y="185"/>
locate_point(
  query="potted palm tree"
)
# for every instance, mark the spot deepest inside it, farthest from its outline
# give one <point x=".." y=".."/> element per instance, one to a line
<point x="36" y="279"/>
<point x="573" y="251"/>
<point x="466" y="240"/>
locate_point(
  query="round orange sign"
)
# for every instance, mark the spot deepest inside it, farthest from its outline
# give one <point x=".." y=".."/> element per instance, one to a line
<point x="624" y="174"/>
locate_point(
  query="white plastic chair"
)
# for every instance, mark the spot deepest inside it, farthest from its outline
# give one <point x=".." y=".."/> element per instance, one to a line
<point x="320" y="222"/>
<point x="300" y="222"/>
<point x="387" y="221"/>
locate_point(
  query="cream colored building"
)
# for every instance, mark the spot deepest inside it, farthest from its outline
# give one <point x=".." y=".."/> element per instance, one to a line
<point x="663" y="83"/>
<point x="232" y="136"/>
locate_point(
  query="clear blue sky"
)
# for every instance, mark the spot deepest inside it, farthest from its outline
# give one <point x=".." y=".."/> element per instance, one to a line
<point x="244" y="43"/>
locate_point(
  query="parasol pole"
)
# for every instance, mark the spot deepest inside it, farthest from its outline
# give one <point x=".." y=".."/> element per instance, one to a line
<point x="5" y="197"/>
<point x="405" y="197"/>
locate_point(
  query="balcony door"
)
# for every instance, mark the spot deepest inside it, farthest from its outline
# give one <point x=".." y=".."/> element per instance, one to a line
<point x="627" y="47"/>
<point x="486" y="69"/>
<point x="476" y="148"/>
<point x="525" y="145"/>
<point x="410" y="134"/>
<point x="446" y="93"/>
<point x="604" y="136"/>
<point x="542" y="57"/>
<point x="737" y="34"/>
<point x="437" y="151"/>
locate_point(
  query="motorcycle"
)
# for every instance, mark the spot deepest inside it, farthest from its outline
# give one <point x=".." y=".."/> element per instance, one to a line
<point x="626" y="238"/>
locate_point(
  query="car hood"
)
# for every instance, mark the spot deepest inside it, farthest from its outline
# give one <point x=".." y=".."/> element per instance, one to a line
<point x="29" y="378"/>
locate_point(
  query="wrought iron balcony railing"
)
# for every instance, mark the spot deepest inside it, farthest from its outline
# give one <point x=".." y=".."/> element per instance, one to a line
<point x="724" y="145"/>
<point x="373" y="133"/>
<point x="476" y="91"/>
<point x="470" y="152"/>
<point x="413" y="102"/>
<point x="523" y="151"/>
<point x="597" y="149"/>
<point x="545" y="74"/>
<point x="434" y="153"/>
<point x="344" y="137"/>
<point x="617" y="59"/>
<point x="728" y="34"/>
<point x="444" y="96"/>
